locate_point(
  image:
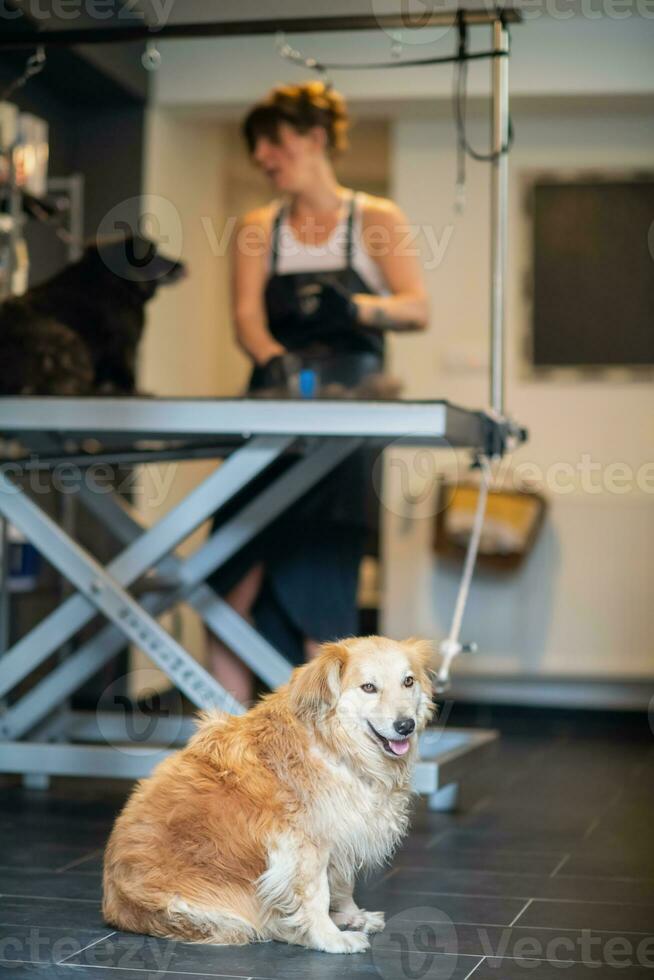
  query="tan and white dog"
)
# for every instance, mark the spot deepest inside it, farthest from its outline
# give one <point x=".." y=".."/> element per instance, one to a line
<point x="257" y="829"/>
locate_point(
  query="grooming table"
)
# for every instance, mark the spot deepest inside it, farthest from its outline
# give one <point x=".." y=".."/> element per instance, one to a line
<point x="38" y="733"/>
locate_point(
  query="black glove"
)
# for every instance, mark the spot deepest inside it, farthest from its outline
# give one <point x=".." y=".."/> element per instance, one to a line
<point x="326" y="307"/>
<point x="279" y="370"/>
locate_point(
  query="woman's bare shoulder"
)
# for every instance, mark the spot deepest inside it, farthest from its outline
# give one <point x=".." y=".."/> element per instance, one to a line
<point x="254" y="229"/>
<point x="379" y="209"/>
<point x="261" y="217"/>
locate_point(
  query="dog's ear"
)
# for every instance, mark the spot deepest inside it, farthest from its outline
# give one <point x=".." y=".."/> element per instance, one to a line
<point x="316" y="686"/>
<point x="421" y="652"/>
<point x="421" y="655"/>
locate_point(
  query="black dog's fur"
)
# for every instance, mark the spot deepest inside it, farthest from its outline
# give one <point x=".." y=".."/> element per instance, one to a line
<point x="78" y="333"/>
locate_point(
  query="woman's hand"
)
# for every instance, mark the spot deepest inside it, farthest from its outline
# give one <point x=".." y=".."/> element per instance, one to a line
<point x="279" y="371"/>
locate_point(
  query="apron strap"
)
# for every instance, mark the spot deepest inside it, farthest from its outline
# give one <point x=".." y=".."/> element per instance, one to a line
<point x="349" y="240"/>
<point x="274" y="240"/>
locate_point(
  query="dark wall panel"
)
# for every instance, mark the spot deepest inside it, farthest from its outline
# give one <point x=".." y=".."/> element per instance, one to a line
<point x="593" y="273"/>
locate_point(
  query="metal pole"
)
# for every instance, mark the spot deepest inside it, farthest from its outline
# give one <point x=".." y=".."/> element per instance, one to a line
<point x="499" y="212"/>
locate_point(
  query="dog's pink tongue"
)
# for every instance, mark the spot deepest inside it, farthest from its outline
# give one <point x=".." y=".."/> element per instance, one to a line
<point x="399" y="748"/>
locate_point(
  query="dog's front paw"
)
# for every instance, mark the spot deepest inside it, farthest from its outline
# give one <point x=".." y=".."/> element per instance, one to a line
<point x="361" y="920"/>
<point x="344" y="942"/>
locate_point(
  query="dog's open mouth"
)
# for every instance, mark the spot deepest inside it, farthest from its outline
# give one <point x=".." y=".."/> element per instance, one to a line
<point x="392" y="746"/>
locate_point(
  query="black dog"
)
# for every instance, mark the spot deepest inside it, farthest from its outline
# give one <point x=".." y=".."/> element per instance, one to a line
<point x="78" y="333"/>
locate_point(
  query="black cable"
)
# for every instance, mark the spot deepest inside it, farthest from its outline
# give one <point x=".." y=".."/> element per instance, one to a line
<point x="460" y="95"/>
<point x="460" y="144"/>
<point x="459" y="60"/>
<point x="323" y="66"/>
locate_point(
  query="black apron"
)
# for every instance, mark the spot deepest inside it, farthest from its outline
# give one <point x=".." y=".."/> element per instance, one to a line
<point x="312" y="553"/>
<point x="345" y="352"/>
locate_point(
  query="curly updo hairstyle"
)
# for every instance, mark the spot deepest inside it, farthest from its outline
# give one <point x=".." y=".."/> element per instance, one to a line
<point x="302" y="106"/>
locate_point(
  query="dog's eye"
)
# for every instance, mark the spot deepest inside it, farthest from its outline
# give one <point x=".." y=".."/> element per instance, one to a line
<point x="368" y="688"/>
<point x="408" y="681"/>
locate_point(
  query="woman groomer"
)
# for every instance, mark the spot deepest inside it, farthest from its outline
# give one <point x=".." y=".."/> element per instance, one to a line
<point x="316" y="292"/>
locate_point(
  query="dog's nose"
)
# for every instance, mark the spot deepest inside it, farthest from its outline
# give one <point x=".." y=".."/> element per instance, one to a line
<point x="404" y="726"/>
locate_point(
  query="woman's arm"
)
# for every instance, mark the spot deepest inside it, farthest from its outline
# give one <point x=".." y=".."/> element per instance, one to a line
<point x="385" y="238"/>
<point x="249" y="252"/>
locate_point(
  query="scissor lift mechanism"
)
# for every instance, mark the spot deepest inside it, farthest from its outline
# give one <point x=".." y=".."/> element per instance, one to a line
<point x="38" y="732"/>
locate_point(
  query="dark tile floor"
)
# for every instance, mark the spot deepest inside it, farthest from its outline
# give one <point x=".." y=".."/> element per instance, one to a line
<point x="546" y="871"/>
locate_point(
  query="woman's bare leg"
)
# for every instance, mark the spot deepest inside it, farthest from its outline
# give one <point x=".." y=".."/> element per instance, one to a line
<point x="225" y="666"/>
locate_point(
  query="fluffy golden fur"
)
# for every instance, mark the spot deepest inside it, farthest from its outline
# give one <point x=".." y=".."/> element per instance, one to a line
<point x="257" y="829"/>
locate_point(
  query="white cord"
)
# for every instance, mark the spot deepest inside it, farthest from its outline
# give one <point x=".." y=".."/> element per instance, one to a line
<point x="452" y="647"/>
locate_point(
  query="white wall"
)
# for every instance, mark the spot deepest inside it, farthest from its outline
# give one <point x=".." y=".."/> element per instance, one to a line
<point x="582" y="604"/>
<point x="184" y="181"/>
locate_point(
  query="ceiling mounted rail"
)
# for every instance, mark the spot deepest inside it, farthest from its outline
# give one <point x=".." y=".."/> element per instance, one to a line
<point x="292" y="25"/>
